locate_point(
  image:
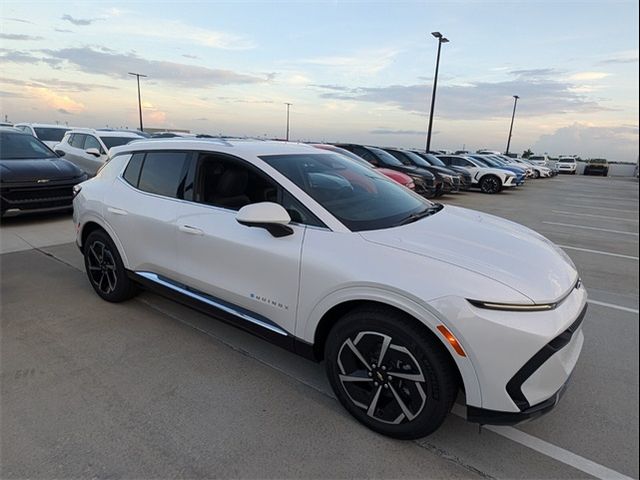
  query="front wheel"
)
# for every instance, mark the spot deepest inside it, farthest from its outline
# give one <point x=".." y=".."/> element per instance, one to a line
<point x="105" y="269"/>
<point x="490" y="184"/>
<point x="536" y="174"/>
<point x="391" y="375"/>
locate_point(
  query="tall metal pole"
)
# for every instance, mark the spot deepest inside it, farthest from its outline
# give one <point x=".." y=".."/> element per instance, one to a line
<point x="288" y="105"/>
<point x="138" y="75"/>
<point x="513" y="115"/>
<point x="441" y="40"/>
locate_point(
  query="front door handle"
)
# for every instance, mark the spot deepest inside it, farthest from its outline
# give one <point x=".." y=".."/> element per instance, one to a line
<point x="116" y="211"/>
<point x="190" y="230"/>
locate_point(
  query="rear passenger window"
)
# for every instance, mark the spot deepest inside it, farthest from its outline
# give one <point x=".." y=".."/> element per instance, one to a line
<point x="132" y="172"/>
<point x="164" y="173"/>
<point x="77" y="140"/>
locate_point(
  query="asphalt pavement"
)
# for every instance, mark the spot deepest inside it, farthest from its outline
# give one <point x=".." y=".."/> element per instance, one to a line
<point x="152" y="389"/>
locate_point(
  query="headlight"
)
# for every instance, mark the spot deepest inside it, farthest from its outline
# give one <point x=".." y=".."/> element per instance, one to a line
<point x="513" y="307"/>
<point x="447" y="177"/>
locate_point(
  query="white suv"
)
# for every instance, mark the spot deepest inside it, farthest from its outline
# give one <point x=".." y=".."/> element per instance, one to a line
<point x="407" y="301"/>
<point x="50" y="135"/>
<point x="567" y="164"/>
<point x="88" y="148"/>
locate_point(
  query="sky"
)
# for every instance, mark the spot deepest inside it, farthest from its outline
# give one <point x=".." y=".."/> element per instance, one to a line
<point x="353" y="71"/>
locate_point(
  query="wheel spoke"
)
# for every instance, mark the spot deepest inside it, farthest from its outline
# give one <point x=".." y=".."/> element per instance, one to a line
<point x="386" y="341"/>
<point x="414" y="377"/>
<point x="357" y="353"/>
<point x="95" y="269"/>
<point x="354" y="378"/>
<point x="93" y="252"/>
<point x="372" y="406"/>
<point x="111" y="285"/>
<point x="102" y="252"/>
<point x="410" y="416"/>
<point x="101" y="280"/>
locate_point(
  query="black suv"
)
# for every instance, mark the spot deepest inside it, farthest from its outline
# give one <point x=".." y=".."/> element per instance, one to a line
<point x="426" y="182"/>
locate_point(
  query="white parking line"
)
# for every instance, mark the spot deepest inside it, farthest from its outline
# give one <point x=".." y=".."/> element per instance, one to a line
<point x="557" y="453"/>
<point x="585" y="227"/>
<point x="612" y="305"/>
<point x="562" y="212"/>
<point x="599" y="252"/>
<point x="602" y="208"/>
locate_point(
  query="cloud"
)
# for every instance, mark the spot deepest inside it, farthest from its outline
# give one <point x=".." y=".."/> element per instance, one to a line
<point x="56" y="84"/>
<point x="64" y="111"/>
<point x="587" y="76"/>
<point x="20" y="20"/>
<point x="365" y="62"/>
<point x="5" y="94"/>
<point x="388" y="131"/>
<point x="16" y="56"/>
<point x="618" y="142"/>
<point x="63" y="30"/>
<point x="186" y="55"/>
<point x="611" y="61"/>
<point x="55" y="100"/>
<point x="535" y="72"/>
<point x="79" y="21"/>
<point x="18" y="36"/>
<point x="480" y="100"/>
<point x="117" y="65"/>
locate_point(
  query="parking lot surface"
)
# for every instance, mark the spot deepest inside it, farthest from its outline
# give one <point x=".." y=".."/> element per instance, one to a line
<point x="150" y="388"/>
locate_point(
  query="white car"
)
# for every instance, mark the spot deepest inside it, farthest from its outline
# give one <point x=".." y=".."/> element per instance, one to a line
<point x="488" y="179"/>
<point x="88" y="148"/>
<point x="48" y="134"/>
<point x="406" y="301"/>
<point x="538" y="170"/>
<point x="567" y="165"/>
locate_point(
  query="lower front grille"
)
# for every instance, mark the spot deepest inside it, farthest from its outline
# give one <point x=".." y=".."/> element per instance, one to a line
<point x="36" y="197"/>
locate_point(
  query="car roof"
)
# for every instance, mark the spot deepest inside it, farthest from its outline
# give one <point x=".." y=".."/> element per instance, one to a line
<point x="105" y="133"/>
<point x="8" y="129"/>
<point x="43" y="125"/>
<point x="231" y="146"/>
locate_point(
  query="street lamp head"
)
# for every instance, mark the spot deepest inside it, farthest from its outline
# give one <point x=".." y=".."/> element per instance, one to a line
<point x="436" y="34"/>
<point x="516" y="97"/>
<point x="444" y="40"/>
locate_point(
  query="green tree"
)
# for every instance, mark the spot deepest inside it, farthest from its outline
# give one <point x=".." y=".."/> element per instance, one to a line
<point x="527" y="153"/>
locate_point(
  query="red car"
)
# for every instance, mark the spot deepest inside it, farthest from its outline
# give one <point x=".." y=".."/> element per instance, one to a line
<point x="401" y="178"/>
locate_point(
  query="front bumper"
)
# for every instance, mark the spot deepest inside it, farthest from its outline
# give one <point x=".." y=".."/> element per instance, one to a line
<point x="522" y="360"/>
<point x="31" y="196"/>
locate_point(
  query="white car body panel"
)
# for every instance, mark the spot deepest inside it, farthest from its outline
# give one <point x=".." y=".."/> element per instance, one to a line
<point x="427" y="269"/>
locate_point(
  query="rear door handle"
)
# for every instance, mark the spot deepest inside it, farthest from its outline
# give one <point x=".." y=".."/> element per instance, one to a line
<point x="190" y="230"/>
<point x="116" y="211"/>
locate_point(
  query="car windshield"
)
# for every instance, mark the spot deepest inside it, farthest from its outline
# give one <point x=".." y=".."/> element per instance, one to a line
<point x="433" y="160"/>
<point x="484" y="161"/>
<point x="417" y="159"/>
<point x="386" y="158"/>
<point x="52" y="134"/>
<point x="111" y="142"/>
<point x="567" y="160"/>
<point x="536" y="158"/>
<point x="346" y="153"/>
<point x="357" y="196"/>
<point x="20" y="146"/>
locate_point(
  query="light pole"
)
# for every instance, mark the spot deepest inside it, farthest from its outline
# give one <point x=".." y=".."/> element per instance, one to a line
<point x="441" y="40"/>
<point x="513" y="115"/>
<point x="138" y="75"/>
<point x="288" y="106"/>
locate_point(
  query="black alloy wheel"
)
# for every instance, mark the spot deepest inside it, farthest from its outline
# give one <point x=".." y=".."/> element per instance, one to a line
<point x="490" y="184"/>
<point x="390" y="374"/>
<point x="105" y="269"/>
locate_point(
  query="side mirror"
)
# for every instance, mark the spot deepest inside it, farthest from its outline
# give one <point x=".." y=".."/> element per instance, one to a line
<point x="93" y="151"/>
<point x="270" y="216"/>
<point x="59" y="153"/>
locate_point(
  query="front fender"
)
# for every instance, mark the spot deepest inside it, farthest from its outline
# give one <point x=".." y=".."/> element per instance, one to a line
<point x="415" y="307"/>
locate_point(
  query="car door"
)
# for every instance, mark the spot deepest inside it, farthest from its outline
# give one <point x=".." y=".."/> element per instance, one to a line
<point x="245" y="269"/>
<point x="93" y="162"/>
<point x="74" y="150"/>
<point x="142" y="207"/>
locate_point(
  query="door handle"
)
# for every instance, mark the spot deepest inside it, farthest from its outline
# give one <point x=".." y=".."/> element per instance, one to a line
<point x="116" y="211"/>
<point x="190" y="230"/>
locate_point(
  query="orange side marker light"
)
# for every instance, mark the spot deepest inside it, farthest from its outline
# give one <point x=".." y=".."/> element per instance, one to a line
<point x="451" y="339"/>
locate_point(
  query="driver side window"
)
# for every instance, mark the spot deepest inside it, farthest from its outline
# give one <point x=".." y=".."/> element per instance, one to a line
<point x="224" y="182"/>
<point x="92" y="142"/>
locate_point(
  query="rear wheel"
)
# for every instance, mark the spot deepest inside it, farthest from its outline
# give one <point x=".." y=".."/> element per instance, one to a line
<point x="105" y="269"/>
<point x="391" y="375"/>
<point x="490" y="184"/>
<point x="536" y="174"/>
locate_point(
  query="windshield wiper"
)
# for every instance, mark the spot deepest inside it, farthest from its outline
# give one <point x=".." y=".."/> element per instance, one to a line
<point x="424" y="213"/>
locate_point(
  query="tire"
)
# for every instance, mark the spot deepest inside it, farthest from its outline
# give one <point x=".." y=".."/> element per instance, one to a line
<point x="490" y="184"/>
<point x="105" y="269"/>
<point x="536" y="174"/>
<point x="426" y="398"/>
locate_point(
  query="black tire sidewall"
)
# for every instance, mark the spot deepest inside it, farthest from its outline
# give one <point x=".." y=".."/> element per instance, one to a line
<point x="435" y="367"/>
<point x="487" y="179"/>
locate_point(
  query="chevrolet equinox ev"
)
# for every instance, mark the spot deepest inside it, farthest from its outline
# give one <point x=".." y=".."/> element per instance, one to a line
<point x="406" y="301"/>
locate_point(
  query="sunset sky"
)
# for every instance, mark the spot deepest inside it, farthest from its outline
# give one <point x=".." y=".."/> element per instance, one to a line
<point x="354" y="71"/>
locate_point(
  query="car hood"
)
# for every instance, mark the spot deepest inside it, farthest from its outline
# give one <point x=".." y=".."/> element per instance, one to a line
<point x="38" y="169"/>
<point x="444" y="170"/>
<point x="490" y="246"/>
